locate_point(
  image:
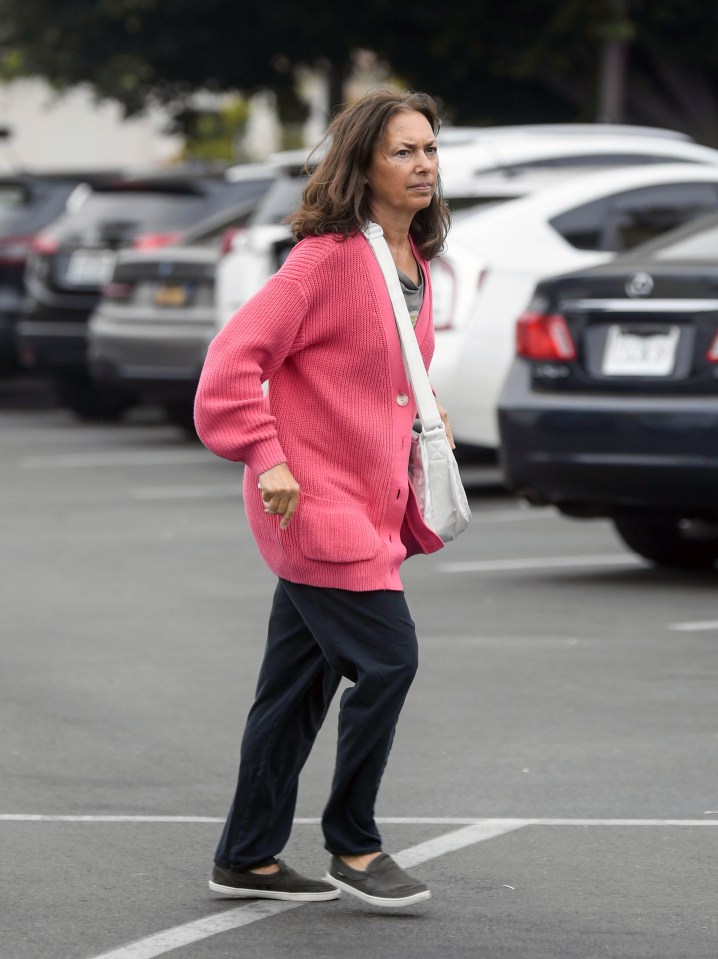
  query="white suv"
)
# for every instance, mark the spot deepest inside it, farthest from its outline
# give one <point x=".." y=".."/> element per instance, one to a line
<point x="495" y="257"/>
<point x="478" y="166"/>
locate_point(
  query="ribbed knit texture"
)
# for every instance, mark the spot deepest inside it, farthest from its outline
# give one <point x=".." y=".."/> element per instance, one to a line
<point x="322" y="333"/>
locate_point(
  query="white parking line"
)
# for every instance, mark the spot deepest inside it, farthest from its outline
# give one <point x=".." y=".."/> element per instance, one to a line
<point x="177" y="936"/>
<point x="473" y="831"/>
<point x="540" y="562"/>
<point x="114" y="459"/>
<point x="696" y="627"/>
<point x="384" y="820"/>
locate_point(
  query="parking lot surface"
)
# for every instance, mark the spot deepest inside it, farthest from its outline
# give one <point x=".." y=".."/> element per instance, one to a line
<point x="553" y="777"/>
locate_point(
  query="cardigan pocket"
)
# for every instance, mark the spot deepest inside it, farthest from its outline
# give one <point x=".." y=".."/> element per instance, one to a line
<point x="334" y="532"/>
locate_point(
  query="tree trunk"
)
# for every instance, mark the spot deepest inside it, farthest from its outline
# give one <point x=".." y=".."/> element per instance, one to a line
<point x="612" y="92"/>
<point x="617" y="35"/>
<point x="335" y="78"/>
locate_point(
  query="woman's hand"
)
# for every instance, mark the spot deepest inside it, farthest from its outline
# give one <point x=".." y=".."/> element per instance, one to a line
<point x="445" y="420"/>
<point x="280" y="493"/>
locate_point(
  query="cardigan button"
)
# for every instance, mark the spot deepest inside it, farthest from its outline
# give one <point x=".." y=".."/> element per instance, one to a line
<point x="402" y="399"/>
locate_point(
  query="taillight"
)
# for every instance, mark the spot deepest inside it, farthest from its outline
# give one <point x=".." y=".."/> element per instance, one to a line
<point x="117" y="291"/>
<point x="44" y="244"/>
<point x="443" y="293"/>
<point x="228" y="238"/>
<point x="14" y="249"/>
<point x="544" y="336"/>
<point x="153" y="241"/>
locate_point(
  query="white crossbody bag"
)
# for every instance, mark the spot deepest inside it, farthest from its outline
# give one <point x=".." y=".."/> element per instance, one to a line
<point x="433" y="470"/>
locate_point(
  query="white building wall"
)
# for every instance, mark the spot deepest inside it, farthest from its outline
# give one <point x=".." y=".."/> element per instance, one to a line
<point x="51" y="131"/>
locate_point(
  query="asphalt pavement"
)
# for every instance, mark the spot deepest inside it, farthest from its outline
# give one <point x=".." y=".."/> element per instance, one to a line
<point x="554" y="776"/>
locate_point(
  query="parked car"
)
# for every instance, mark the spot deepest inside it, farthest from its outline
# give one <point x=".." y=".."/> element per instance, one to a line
<point x="256" y="253"/>
<point x="611" y="405"/>
<point x="149" y="333"/>
<point x="495" y="258"/>
<point x="74" y="259"/>
<point x="479" y="167"/>
<point x="28" y="203"/>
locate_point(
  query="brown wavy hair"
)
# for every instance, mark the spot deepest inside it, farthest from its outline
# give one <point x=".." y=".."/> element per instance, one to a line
<point x="336" y="199"/>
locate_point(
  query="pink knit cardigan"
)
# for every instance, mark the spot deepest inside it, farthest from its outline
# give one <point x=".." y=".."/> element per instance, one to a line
<point x="339" y="412"/>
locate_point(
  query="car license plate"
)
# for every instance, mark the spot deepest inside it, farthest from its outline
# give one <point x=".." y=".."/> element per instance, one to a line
<point x="90" y="267"/>
<point x="173" y="294"/>
<point x="632" y="353"/>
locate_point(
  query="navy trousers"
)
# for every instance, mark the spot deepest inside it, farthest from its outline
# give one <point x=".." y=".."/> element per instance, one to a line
<point x="316" y="636"/>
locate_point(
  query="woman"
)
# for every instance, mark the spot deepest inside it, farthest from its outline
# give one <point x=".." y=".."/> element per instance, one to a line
<point x="327" y="496"/>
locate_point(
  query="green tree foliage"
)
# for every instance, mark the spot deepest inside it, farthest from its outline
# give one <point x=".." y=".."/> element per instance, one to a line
<point x="489" y="61"/>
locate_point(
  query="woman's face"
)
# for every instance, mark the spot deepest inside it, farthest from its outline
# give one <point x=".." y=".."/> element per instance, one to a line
<point x="404" y="168"/>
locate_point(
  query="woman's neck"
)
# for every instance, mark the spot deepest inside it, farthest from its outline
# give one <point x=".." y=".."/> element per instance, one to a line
<point x="402" y="252"/>
<point x="395" y="227"/>
<point x="396" y="234"/>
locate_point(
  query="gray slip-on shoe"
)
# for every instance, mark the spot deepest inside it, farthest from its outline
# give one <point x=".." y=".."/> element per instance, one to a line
<point x="382" y="883"/>
<point x="285" y="884"/>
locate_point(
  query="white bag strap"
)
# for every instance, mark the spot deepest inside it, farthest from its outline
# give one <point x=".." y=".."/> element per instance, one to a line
<point x="416" y="371"/>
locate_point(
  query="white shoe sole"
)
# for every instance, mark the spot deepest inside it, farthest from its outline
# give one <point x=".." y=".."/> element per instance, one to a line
<point x="378" y="900"/>
<point x="231" y="892"/>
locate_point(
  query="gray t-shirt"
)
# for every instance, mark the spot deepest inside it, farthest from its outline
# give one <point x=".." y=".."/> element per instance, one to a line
<point x="413" y="294"/>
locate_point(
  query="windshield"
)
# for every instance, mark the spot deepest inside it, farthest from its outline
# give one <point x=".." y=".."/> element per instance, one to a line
<point x="281" y="201"/>
<point x="12" y="198"/>
<point x="154" y="211"/>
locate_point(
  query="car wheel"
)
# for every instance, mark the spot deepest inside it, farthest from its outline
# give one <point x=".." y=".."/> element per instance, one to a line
<point x="674" y="542"/>
<point x="93" y="401"/>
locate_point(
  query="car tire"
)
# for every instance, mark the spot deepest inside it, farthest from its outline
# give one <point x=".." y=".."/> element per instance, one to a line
<point x="91" y="401"/>
<point x="673" y="542"/>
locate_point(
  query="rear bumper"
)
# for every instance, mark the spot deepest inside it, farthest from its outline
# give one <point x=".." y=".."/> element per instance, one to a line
<point x="54" y="345"/>
<point x="155" y="362"/>
<point x="8" y="341"/>
<point x="11" y="311"/>
<point x="600" y="455"/>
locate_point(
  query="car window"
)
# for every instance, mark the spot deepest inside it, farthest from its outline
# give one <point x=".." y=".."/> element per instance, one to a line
<point x="208" y="232"/>
<point x="698" y="246"/>
<point x="12" y="198"/>
<point x="584" y="226"/>
<point x="123" y="213"/>
<point x="12" y="195"/>
<point x="623" y="221"/>
<point x="280" y="202"/>
<point x="227" y="193"/>
<point x="235" y="211"/>
<point x="640" y="215"/>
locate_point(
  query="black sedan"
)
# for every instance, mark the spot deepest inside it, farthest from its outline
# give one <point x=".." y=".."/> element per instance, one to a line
<point x="611" y="406"/>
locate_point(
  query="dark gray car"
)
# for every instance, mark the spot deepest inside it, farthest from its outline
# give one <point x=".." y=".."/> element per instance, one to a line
<point x="149" y="333"/>
<point x="611" y="405"/>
